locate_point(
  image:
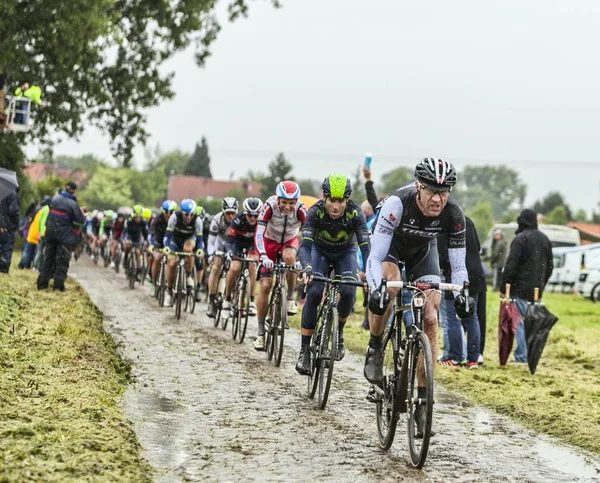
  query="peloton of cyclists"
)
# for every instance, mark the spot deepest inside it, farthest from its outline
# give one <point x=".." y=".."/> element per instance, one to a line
<point x="240" y="237"/>
<point x="183" y="234"/>
<point x="217" y="234"/>
<point x="277" y="234"/>
<point x="330" y="234"/>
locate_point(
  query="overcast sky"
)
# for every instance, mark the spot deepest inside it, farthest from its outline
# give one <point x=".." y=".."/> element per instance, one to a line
<point x="326" y="81"/>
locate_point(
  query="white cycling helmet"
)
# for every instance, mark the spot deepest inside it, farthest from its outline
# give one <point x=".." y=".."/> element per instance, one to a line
<point x="252" y="206"/>
<point x="229" y="204"/>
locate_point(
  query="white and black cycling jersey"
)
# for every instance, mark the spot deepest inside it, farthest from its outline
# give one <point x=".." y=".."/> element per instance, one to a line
<point x="401" y="229"/>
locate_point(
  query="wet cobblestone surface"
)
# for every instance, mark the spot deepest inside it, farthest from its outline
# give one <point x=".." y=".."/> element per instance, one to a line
<point x="206" y="409"/>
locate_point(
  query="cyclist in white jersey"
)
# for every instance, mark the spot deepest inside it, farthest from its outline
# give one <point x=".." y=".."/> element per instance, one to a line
<point x="277" y="231"/>
<point x="217" y="237"/>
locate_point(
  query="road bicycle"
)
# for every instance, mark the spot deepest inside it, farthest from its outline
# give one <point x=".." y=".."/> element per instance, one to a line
<point x="325" y="339"/>
<point x="407" y="351"/>
<point x="118" y="256"/>
<point x="132" y="264"/>
<point x="161" y="282"/>
<point x="240" y="308"/>
<point x="276" y="320"/>
<point x="181" y="293"/>
<point x="220" y="295"/>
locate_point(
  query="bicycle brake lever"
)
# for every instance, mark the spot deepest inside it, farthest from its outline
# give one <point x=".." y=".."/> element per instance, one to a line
<point x="382" y="291"/>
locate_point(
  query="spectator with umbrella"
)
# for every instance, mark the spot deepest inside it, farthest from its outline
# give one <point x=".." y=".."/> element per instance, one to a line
<point x="65" y="218"/>
<point x="9" y="216"/>
<point x="529" y="265"/>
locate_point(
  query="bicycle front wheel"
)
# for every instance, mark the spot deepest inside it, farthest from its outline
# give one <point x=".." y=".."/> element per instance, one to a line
<point x="420" y="410"/>
<point x="235" y="311"/>
<point x="386" y="406"/>
<point x="327" y="354"/>
<point x="131" y="270"/>
<point x="179" y="293"/>
<point x="279" y="332"/>
<point x="245" y="310"/>
<point x="313" y="377"/>
<point x="161" y="288"/>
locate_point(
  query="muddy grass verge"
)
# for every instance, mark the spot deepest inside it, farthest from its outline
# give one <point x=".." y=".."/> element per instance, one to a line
<point x="61" y="382"/>
<point x="561" y="399"/>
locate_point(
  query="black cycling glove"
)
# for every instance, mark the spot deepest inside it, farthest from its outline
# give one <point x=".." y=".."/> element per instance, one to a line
<point x="375" y="304"/>
<point x="460" y="305"/>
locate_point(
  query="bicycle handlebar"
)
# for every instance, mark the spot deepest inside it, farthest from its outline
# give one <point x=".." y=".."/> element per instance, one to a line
<point x="464" y="290"/>
<point x="337" y="281"/>
<point x="242" y="259"/>
<point x="426" y="286"/>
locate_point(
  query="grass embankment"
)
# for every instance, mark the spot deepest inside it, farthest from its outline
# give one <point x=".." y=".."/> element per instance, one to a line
<point x="61" y="381"/>
<point x="561" y="399"/>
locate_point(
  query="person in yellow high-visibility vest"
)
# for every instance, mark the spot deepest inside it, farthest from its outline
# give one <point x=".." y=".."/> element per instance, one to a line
<point x="34" y="93"/>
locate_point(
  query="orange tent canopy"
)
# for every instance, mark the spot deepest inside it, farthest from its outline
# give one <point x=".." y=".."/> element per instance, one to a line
<point x="308" y="200"/>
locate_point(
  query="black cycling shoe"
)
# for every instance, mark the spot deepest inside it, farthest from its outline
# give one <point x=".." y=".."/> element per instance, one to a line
<point x="212" y="310"/>
<point x="373" y="370"/>
<point x="197" y="296"/>
<point x="420" y="416"/>
<point x="340" y="351"/>
<point x="303" y="364"/>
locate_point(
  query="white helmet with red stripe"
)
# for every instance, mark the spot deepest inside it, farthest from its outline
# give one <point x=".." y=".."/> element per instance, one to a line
<point x="288" y="190"/>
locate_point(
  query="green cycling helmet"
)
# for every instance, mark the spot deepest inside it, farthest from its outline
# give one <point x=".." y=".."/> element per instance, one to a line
<point x="137" y="210"/>
<point x="199" y="211"/>
<point x="337" y="186"/>
<point x="109" y="213"/>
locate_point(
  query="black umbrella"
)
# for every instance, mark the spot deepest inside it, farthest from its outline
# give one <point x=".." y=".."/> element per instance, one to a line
<point x="8" y="182"/>
<point x="538" y="322"/>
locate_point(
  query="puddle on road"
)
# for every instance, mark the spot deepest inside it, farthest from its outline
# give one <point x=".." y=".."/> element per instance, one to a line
<point x="159" y="429"/>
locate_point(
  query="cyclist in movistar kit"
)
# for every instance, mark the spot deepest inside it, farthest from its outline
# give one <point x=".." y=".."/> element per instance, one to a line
<point x="405" y="234"/>
<point x="240" y="237"/>
<point x="330" y="235"/>
<point x="184" y="234"/>
<point x="157" y="231"/>
<point x="217" y="234"/>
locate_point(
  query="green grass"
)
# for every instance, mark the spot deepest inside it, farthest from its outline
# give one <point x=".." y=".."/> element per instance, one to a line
<point x="61" y="382"/>
<point x="563" y="397"/>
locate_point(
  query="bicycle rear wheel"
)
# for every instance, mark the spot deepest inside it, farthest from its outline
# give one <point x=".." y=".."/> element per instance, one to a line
<point x="418" y="438"/>
<point x="279" y="331"/>
<point x="245" y="306"/>
<point x="386" y="406"/>
<point x="327" y="354"/>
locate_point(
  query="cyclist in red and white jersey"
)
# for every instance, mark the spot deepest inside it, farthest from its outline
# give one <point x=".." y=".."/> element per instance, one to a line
<point x="277" y="231"/>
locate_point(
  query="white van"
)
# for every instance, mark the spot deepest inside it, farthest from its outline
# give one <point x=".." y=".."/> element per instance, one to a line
<point x="589" y="281"/>
<point x="559" y="235"/>
<point x="568" y="264"/>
